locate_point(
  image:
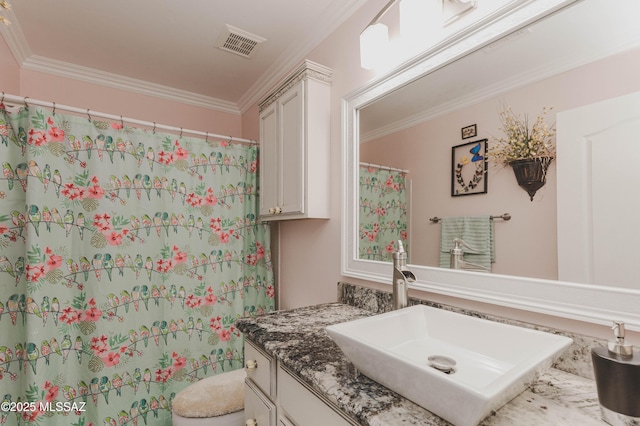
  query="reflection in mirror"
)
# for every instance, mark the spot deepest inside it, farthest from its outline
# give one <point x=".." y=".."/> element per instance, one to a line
<point x="383" y="211"/>
<point x="582" y="54"/>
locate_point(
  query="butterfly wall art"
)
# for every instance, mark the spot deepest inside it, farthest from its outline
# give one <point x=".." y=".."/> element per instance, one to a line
<point x="469" y="168"/>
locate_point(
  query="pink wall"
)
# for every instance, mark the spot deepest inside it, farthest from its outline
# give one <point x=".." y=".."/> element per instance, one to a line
<point x="9" y="70"/>
<point x="526" y="245"/>
<point x="250" y="124"/>
<point x="83" y="95"/>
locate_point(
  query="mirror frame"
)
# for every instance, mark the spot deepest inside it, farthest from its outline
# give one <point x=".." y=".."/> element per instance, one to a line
<point x="584" y="302"/>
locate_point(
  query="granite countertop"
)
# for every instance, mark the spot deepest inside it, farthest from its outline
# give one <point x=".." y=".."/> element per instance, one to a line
<point x="297" y="338"/>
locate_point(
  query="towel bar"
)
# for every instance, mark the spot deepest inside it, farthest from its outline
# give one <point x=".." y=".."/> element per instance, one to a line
<point x="505" y="216"/>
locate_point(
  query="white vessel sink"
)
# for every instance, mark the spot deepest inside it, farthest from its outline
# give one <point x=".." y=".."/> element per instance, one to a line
<point x="494" y="362"/>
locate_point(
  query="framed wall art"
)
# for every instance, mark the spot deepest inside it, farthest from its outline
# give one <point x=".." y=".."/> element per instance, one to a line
<point x="469" y="168"/>
<point x="470" y="131"/>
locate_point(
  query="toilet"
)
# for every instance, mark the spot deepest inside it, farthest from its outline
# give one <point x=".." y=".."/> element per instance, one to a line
<point x="215" y="401"/>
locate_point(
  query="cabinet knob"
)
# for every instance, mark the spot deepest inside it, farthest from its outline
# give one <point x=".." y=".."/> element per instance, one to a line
<point x="251" y="422"/>
<point x="251" y="365"/>
<point x="278" y="210"/>
<point x="272" y="210"/>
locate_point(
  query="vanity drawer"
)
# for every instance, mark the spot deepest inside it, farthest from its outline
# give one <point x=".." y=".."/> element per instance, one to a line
<point x="258" y="409"/>
<point x="302" y="406"/>
<point x="260" y="368"/>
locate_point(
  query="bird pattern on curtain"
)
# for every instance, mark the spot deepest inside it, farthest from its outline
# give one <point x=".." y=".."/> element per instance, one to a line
<point x="126" y="256"/>
<point x="383" y="213"/>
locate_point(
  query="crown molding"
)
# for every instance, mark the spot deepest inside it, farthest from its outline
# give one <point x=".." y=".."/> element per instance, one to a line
<point x="115" y="81"/>
<point x="334" y="16"/>
<point x="307" y="70"/>
<point x="534" y="75"/>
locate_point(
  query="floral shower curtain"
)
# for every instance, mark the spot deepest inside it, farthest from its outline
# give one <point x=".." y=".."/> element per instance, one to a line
<point x="383" y="213"/>
<point x="126" y="255"/>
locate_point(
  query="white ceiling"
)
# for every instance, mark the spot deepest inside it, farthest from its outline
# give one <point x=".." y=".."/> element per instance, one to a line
<point x="168" y="47"/>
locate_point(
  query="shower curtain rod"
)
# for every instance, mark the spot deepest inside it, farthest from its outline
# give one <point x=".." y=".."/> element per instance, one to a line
<point x="28" y="101"/>
<point x="378" y="166"/>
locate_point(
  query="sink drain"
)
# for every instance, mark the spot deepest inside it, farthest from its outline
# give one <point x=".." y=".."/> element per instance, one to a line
<point x="442" y="363"/>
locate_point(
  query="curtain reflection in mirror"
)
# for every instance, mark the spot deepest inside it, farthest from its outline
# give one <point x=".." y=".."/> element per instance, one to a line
<point x="383" y="211"/>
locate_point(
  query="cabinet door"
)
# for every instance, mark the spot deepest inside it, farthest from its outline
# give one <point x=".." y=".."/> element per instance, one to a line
<point x="258" y="407"/>
<point x="269" y="180"/>
<point x="292" y="152"/>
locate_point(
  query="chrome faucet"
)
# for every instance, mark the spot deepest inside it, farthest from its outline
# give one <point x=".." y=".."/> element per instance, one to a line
<point x="457" y="261"/>
<point x="401" y="278"/>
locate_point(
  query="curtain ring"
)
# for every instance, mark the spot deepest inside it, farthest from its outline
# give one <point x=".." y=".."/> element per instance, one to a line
<point x="154" y="127"/>
<point x="180" y="132"/>
<point x="54" y="109"/>
<point x="2" y="100"/>
<point x="206" y="139"/>
<point x="121" y="122"/>
<point x="26" y="105"/>
<point x="88" y="115"/>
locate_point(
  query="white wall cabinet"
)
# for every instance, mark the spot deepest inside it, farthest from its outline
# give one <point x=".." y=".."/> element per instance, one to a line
<point x="274" y="397"/>
<point x="295" y="146"/>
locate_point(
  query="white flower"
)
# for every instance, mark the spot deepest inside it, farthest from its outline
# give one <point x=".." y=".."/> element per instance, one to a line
<point x="521" y="142"/>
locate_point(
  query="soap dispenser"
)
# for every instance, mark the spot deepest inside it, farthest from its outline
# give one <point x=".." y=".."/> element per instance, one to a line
<point x="617" y="372"/>
<point x="456" y="254"/>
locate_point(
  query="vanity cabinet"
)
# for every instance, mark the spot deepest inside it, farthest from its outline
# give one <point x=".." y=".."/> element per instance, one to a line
<point x="295" y="146"/>
<point x="275" y="397"/>
<point x="259" y="389"/>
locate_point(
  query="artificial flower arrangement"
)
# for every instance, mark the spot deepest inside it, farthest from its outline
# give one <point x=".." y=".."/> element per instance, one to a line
<point x="528" y="150"/>
<point x="521" y="142"/>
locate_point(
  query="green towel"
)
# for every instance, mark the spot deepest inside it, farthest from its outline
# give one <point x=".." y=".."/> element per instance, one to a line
<point x="476" y="232"/>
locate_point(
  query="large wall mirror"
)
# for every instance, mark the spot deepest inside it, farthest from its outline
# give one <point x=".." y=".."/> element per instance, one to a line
<point x="558" y="53"/>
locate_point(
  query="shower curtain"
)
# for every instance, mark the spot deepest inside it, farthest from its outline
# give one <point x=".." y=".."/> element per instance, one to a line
<point x="126" y="255"/>
<point x="383" y="213"/>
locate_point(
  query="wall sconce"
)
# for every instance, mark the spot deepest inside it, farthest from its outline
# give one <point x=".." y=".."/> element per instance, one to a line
<point x="374" y="45"/>
<point x="417" y="21"/>
<point x="374" y="40"/>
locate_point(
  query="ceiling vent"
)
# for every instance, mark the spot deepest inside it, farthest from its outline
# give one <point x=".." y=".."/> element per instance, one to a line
<point x="240" y="42"/>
